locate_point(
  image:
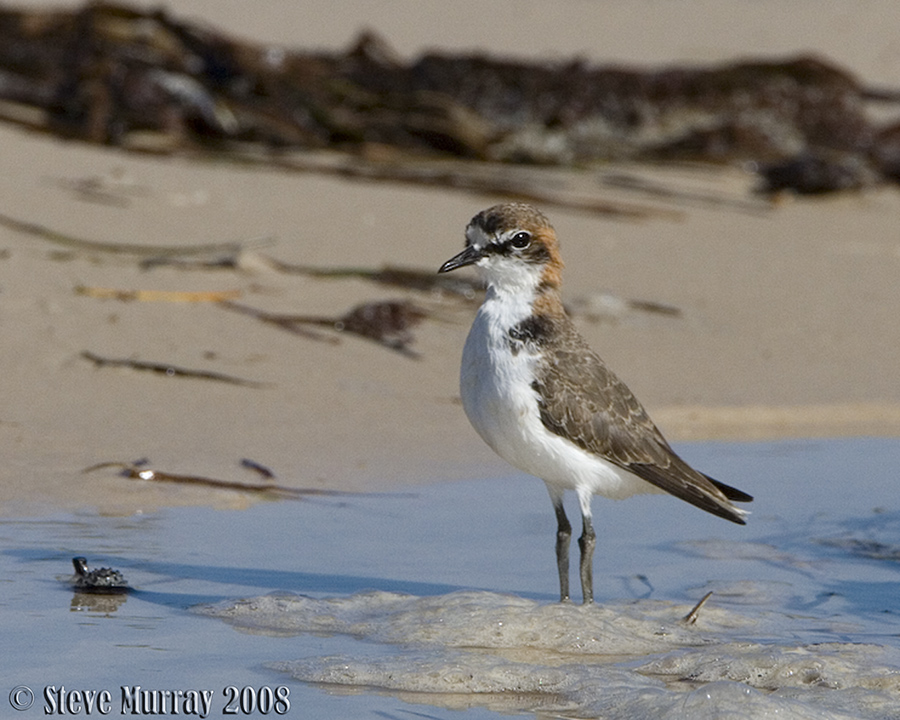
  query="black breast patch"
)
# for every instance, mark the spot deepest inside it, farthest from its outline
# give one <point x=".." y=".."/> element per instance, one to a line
<point x="532" y="331"/>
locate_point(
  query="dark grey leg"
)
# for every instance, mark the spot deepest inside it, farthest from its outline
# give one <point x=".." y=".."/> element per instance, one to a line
<point x="586" y="544"/>
<point x="563" y="536"/>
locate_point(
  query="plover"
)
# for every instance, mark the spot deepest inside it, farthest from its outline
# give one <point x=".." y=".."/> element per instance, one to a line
<point x="546" y="403"/>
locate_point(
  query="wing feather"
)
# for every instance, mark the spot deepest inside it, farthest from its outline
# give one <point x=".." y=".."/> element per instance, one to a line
<point x="589" y="405"/>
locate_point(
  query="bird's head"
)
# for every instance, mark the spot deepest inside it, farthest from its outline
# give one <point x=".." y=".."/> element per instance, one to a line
<point x="514" y="246"/>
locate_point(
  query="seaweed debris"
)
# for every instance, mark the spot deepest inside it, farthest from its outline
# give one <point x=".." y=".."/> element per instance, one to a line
<point x="388" y="323"/>
<point x="139" y="470"/>
<point x="169" y="370"/>
<point x="97" y="246"/>
<point x="147" y="80"/>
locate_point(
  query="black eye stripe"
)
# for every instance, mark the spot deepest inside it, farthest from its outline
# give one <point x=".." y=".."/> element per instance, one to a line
<point x="519" y="241"/>
<point x="536" y="253"/>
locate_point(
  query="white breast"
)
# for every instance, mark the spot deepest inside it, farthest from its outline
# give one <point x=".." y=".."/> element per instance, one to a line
<point x="497" y="395"/>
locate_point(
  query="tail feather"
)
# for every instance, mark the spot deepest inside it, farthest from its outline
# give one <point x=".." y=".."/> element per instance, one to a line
<point x="683" y="482"/>
<point x="732" y="493"/>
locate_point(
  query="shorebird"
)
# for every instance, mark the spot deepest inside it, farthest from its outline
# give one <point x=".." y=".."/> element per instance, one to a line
<point x="545" y="401"/>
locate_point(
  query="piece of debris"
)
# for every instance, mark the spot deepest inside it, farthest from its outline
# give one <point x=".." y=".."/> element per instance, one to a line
<point x="169" y="370"/>
<point x="102" y="581"/>
<point x="290" y="323"/>
<point x="139" y="471"/>
<point x="818" y="172"/>
<point x="257" y="468"/>
<point x="692" y="616"/>
<point x="388" y="322"/>
<point x="147" y="251"/>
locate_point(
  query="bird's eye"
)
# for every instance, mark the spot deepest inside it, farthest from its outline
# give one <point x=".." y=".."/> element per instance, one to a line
<point x="520" y="239"/>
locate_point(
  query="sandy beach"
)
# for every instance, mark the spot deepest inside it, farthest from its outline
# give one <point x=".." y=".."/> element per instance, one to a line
<point x="786" y="322"/>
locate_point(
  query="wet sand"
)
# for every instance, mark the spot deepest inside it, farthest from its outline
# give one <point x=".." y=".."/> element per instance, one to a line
<point x="787" y="323"/>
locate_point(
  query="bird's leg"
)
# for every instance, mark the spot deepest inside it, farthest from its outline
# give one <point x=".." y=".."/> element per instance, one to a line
<point x="586" y="544"/>
<point x="563" y="536"/>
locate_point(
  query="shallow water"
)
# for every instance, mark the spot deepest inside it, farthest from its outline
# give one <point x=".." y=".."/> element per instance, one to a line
<point x="442" y="599"/>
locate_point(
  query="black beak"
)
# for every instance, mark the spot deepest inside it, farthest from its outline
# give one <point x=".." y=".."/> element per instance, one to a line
<point x="469" y="256"/>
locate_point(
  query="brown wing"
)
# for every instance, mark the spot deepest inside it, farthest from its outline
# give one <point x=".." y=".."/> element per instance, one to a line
<point x="594" y="409"/>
